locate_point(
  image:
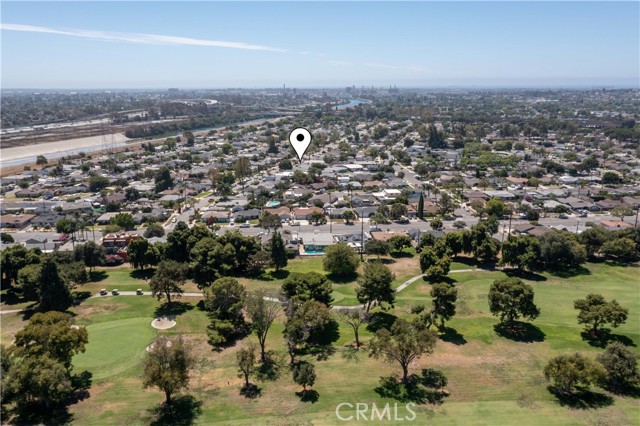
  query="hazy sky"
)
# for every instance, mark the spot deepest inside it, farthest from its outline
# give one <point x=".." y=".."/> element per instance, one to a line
<point x="318" y="44"/>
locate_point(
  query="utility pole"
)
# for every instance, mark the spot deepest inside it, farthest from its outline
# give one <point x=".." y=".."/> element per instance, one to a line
<point x="362" y="234"/>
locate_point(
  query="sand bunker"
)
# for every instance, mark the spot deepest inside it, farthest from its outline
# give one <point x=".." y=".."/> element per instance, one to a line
<point x="163" y="323"/>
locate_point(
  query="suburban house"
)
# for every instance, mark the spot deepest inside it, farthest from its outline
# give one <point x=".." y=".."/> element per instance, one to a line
<point x="315" y="243"/>
<point x="117" y="243"/>
<point x="17" y="221"/>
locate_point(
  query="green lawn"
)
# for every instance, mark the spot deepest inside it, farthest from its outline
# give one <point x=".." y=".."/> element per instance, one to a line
<point x="493" y="380"/>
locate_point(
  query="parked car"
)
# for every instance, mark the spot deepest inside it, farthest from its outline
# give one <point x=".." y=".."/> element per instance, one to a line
<point x="103" y="292"/>
<point x="139" y="292"/>
<point x="174" y="220"/>
<point x="373" y="228"/>
<point x="245" y="225"/>
<point x="115" y="292"/>
<point x="294" y="223"/>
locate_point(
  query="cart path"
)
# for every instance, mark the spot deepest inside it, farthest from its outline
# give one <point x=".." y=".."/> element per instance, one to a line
<point x="271" y="299"/>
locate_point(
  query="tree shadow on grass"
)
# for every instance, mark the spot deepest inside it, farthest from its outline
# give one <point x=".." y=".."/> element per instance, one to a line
<point x="271" y="369"/>
<point x="250" y="391"/>
<point x="183" y="411"/>
<point x="139" y="274"/>
<point x="176" y="308"/>
<point x="378" y="320"/>
<point x="603" y="337"/>
<point x="276" y="275"/>
<point x="411" y="391"/>
<point x="451" y="335"/>
<point x="97" y="276"/>
<point x="526" y="275"/>
<point x="582" y="399"/>
<point x="342" y="279"/>
<point x="308" y="395"/>
<point x="520" y="332"/>
<point x="401" y="254"/>
<point x="53" y="416"/>
<point x="10" y="297"/>
<point x="571" y="272"/>
<point x="80" y="296"/>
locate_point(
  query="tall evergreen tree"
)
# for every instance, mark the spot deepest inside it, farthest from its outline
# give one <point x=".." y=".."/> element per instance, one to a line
<point x="421" y="207"/>
<point x="54" y="292"/>
<point x="278" y="252"/>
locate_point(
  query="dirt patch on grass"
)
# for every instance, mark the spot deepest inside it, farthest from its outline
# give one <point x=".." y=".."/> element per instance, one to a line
<point x="86" y="310"/>
<point x="405" y="266"/>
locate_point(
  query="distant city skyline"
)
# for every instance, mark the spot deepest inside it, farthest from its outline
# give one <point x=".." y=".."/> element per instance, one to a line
<point x="154" y="45"/>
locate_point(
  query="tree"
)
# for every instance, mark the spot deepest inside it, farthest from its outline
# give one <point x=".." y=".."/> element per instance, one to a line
<point x="131" y="194"/>
<point x="595" y="311"/>
<point x="6" y="238"/>
<point x="561" y="250"/>
<point x="377" y="247"/>
<point x="348" y="216"/>
<point x="621" y="212"/>
<point x="66" y="226"/>
<point x="403" y="344"/>
<point x="14" y="258"/>
<point x="36" y="383"/>
<point x="421" y="207"/>
<point x="246" y="359"/>
<point x="308" y="286"/>
<point x="28" y="282"/>
<point x="242" y="168"/>
<point x="436" y="224"/>
<point x="168" y="280"/>
<point x="142" y="254"/>
<point x="593" y="238"/>
<point x="340" y="260"/>
<point x="444" y="298"/>
<point x="41" y="159"/>
<point x="621" y="248"/>
<point x="354" y="319"/>
<point x="318" y="218"/>
<point x="510" y="299"/>
<point x="569" y="372"/>
<point x="124" y="221"/>
<point x="258" y="263"/>
<point x="91" y="254"/>
<point x="270" y="221"/>
<point x="446" y="205"/>
<point x="397" y="211"/>
<point x="434" y="266"/>
<point x="496" y="207"/>
<point x="262" y="313"/>
<point x="154" y="230"/>
<point x="224" y="301"/>
<point x="163" y="179"/>
<point x="54" y="292"/>
<point x="210" y="259"/>
<point x="374" y="286"/>
<point x="97" y="183"/>
<point x="167" y="365"/>
<point x="285" y="164"/>
<point x="611" y="178"/>
<point x="307" y="324"/>
<point x="522" y="251"/>
<point x="397" y="243"/>
<point x="304" y="374"/>
<point x="621" y="364"/>
<point x="278" y="252"/>
<point x="51" y="334"/>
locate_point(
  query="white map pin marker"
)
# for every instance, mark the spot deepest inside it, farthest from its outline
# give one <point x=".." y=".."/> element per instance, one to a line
<point x="300" y="139"/>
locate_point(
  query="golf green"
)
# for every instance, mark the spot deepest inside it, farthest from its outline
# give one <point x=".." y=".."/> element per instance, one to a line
<point x="115" y="346"/>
